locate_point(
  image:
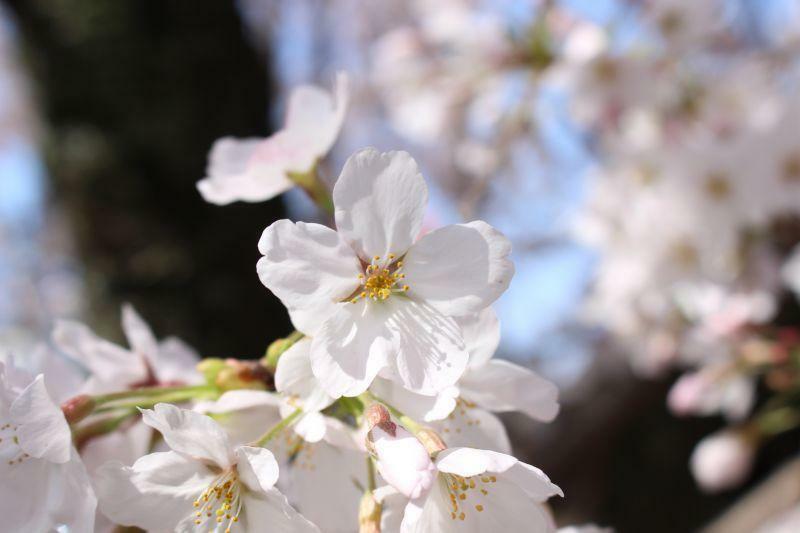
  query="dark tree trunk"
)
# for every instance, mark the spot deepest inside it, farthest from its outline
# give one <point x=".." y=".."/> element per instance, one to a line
<point x="133" y="93"/>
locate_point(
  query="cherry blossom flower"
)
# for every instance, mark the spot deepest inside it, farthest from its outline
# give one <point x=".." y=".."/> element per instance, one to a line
<point x="373" y="299"/>
<point x="43" y="482"/>
<point x="463" y="413"/>
<point x="312" y="471"/>
<point x="301" y="390"/>
<point x="463" y="488"/>
<point x="202" y="483"/>
<point x="255" y="170"/>
<point x="147" y="363"/>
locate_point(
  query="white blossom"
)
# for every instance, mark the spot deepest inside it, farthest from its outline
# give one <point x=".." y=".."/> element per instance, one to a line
<point x="204" y="482"/>
<point x="372" y="298"/>
<point x="254" y="170"/>
<point x="43" y="482"/>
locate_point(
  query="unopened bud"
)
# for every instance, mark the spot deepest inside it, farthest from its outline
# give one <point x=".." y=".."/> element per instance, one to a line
<point x="242" y="375"/>
<point x="431" y="440"/>
<point x="77" y="408"/>
<point x="369" y="514"/>
<point x="276" y="349"/>
<point x="210" y="368"/>
<point x="377" y="415"/>
<point x="723" y="460"/>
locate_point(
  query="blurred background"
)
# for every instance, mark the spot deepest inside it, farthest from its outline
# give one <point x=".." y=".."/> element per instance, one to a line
<point x="643" y="157"/>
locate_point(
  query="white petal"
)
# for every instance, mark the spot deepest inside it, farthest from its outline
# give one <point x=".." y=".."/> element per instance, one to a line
<point x="112" y="366"/>
<point x="417" y="406"/>
<point x="351" y="348"/>
<point x="124" y="446"/>
<point x="471" y="461"/>
<point x="140" y="336"/>
<point x="237" y="400"/>
<point x="320" y="484"/>
<point x="309" y="268"/>
<point x="380" y="201"/>
<point x="317" y="116"/>
<point x="459" y="269"/>
<point x="403" y="462"/>
<point x="78" y="504"/>
<point x="311" y="426"/>
<point x="191" y="433"/>
<point x="481" y="333"/>
<point x="155" y="494"/>
<point x="245" y="415"/>
<point x="38" y="495"/>
<point x="475" y="428"/>
<point x="431" y="355"/>
<point x="257" y="467"/>
<point x="294" y="377"/>
<point x="234" y="173"/>
<point x="176" y="362"/>
<point x="503" y="386"/>
<point x="532" y="481"/>
<point x="41" y="430"/>
<point x="272" y="510"/>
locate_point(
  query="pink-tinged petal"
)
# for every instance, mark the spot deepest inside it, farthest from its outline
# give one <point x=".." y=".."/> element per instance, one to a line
<point x="316" y="115"/>
<point x="503" y="386"/>
<point x="459" y="269"/>
<point x="111" y="366"/>
<point x="190" y="433"/>
<point x="469" y="462"/>
<point x="257" y="467"/>
<point x="155" y="494"/>
<point x="431" y="355"/>
<point x="351" y="348"/>
<point x="403" y="461"/>
<point x="236" y="172"/>
<point x="380" y="201"/>
<point x="310" y="268"/>
<point x="481" y="333"/>
<point x="140" y="336"/>
<point x="42" y="431"/>
<point x="272" y="508"/>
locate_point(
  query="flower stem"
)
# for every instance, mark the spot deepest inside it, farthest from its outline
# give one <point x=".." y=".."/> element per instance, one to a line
<point x="277" y="428"/>
<point x="148" y="392"/>
<point x="311" y="183"/>
<point x="370" y="473"/>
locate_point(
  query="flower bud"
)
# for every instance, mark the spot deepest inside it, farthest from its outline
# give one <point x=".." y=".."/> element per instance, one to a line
<point x="77" y="408"/>
<point x="723" y="460"/>
<point x="369" y="514"/>
<point x="402" y="460"/>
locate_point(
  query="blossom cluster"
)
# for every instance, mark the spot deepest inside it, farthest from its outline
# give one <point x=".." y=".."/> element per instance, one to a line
<point x="692" y="194"/>
<point x="376" y="414"/>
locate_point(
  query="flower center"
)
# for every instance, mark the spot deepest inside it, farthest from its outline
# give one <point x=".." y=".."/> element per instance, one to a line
<point x="461" y="418"/>
<point x="467" y="493"/>
<point x="380" y="280"/>
<point x="220" y="502"/>
<point x="10" y="451"/>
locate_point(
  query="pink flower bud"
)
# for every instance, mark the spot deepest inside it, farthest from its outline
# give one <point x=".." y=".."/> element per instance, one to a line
<point x="77" y="408"/>
<point x="723" y="460"/>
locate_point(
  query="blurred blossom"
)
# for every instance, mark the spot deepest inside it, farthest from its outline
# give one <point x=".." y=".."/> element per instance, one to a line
<point x="722" y="461"/>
